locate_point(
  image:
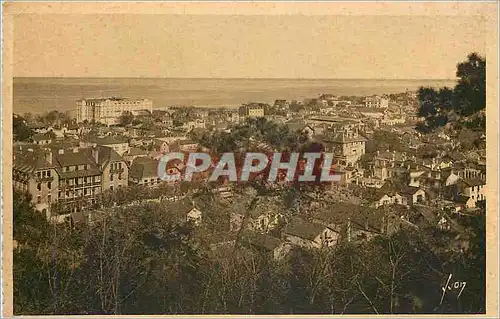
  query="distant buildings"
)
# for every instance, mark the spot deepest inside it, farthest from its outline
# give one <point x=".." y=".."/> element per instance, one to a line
<point x="108" y="110"/>
<point x="252" y="110"/>
<point x="376" y="102"/>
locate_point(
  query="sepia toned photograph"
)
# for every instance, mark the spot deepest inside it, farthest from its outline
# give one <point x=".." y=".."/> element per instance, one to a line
<point x="250" y="158"/>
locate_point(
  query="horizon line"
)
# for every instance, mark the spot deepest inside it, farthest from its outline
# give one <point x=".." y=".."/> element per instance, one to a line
<point x="228" y="78"/>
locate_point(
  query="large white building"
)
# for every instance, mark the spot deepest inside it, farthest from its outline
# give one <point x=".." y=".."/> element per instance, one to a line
<point x="109" y="110"/>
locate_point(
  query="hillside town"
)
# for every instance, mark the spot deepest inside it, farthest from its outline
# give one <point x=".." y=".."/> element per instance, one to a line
<point x="392" y="176"/>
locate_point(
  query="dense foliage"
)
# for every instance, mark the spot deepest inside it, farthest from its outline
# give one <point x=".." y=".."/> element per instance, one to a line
<point x="20" y="130"/>
<point x="142" y="259"/>
<point x="462" y="105"/>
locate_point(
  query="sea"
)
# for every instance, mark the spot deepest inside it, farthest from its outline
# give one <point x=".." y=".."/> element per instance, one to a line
<point x="39" y="95"/>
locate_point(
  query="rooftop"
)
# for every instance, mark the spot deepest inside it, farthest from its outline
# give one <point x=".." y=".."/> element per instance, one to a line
<point x="303" y="229"/>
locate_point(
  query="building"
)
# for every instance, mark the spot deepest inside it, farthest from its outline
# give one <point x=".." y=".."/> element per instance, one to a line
<point x="113" y="167"/>
<point x="372" y="113"/>
<point x="34" y="172"/>
<point x="252" y="110"/>
<point x="281" y="105"/>
<point x="309" y="235"/>
<point x="348" y="147"/>
<point x="376" y="102"/>
<point x="72" y="176"/>
<point x="472" y="189"/>
<point x="144" y="171"/>
<point x="79" y="177"/>
<point x="265" y="244"/>
<point x="108" y="110"/>
<point x="41" y="139"/>
<point x="118" y="144"/>
<point x="197" y="123"/>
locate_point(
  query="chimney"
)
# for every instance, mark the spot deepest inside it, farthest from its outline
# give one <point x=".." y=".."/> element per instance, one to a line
<point x="95" y="153"/>
<point x="48" y="157"/>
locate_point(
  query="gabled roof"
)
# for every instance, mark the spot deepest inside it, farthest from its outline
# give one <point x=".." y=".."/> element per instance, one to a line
<point x="143" y="167"/>
<point x="473" y="182"/>
<point x="107" y="154"/>
<point x="461" y="199"/>
<point x="260" y="241"/>
<point x="108" y="140"/>
<point x="135" y="151"/>
<point x="71" y="158"/>
<point x="303" y="229"/>
<point x="338" y="212"/>
<point x="29" y="161"/>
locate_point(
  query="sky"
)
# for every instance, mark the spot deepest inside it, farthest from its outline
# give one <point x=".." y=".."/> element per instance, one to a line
<point x="244" y="46"/>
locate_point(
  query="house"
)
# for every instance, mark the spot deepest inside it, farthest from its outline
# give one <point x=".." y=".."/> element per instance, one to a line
<point x="334" y="215"/>
<point x="187" y="145"/>
<point x="120" y="145"/>
<point x="394" y="192"/>
<point x="265" y="215"/>
<point x="309" y="235"/>
<point x="190" y="125"/>
<point x="194" y="215"/>
<point x="161" y="145"/>
<point x="80" y="177"/>
<point x="474" y="189"/>
<point x="114" y="168"/>
<point x="133" y="153"/>
<point x="376" y="102"/>
<point x="144" y="171"/>
<point x="348" y="147"/>
<point x="35" y="173"/>
<point x="265" y="244"/>
<point x="369" y="223"/>
<point x="252" y="110"/>
<point x="41" y="139"/>
<point x="370" y="113"/>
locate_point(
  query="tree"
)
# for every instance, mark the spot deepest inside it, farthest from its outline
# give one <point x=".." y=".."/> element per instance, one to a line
<point x="126" y="118"/>
<point x="20" y="129"/>
<point x="466" y="100"/>
<point x="470" y="92"/>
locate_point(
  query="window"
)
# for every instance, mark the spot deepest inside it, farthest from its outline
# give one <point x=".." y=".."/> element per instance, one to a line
<point x="49" y="185"/>
<point x="120" y="177"/>
<point x="49" y="198"/>
<point x="59" y="195"/>
<point x="111" y="177"/>
<point x="39" y="186"/>
<point x="44" y="174"/>
<point x="39" y="199"/>
<point x="39" y="174"/>
<point x="85" y="191"/>
<point x="111" y="188"/>
<point x="48" y="173"/>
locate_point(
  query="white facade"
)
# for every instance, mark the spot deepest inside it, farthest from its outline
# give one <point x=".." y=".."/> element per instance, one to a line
<point x="376" y="102"/>
<point x="109" y="110"/>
